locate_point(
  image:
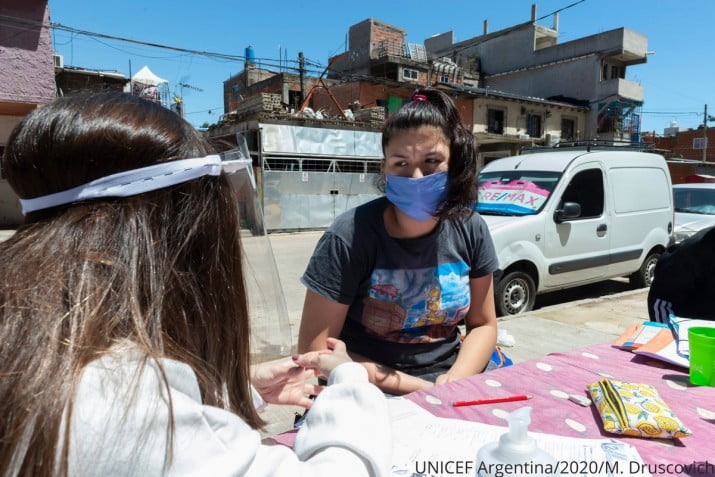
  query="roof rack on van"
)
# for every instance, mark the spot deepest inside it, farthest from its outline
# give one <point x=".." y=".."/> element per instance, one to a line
<point x="598" y="144"/>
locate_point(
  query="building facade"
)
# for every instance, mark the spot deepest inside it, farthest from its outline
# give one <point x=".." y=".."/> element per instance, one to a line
<point x="526" y="59"/>
<point x="27" y="78"/>
<point x="71" y="80"/>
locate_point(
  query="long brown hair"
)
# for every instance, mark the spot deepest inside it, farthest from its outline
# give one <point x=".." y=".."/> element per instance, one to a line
<point x="162" y="269"/>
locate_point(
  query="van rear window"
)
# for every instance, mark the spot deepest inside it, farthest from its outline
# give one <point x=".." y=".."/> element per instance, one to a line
<point x="639" y="189"/>
<point x="515" y="192"/>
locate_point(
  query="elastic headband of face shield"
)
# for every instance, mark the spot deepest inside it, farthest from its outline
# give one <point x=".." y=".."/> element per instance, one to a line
<point x="129" y="183"/>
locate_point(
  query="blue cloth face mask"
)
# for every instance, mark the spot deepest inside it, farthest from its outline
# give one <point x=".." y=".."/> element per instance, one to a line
<point x="419" y="198"/>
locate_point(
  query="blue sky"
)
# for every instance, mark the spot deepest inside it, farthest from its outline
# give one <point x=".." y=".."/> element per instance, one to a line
<point x="678" y="77"/>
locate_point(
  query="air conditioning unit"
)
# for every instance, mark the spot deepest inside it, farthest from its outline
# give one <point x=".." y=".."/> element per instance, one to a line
<point x="58" y="60"/>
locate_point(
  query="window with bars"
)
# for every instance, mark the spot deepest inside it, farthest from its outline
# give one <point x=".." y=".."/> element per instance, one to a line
<point x="533" y="125"/>
<point x="495" y="121"/>
<point x="568" y="129"/>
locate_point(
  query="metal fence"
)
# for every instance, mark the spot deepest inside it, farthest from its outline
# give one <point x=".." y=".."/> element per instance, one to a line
<point x="309" y="192"/>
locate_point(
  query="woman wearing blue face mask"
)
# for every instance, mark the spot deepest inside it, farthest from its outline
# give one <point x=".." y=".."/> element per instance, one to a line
<point x="393" y="277"/>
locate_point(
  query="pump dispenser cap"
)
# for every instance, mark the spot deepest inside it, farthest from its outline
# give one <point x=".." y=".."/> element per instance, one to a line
<point x="515" y="446"/>
<point x="517" y="442"/>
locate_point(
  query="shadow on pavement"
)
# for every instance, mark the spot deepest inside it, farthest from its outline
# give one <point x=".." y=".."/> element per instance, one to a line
<point x="593" y="290"/>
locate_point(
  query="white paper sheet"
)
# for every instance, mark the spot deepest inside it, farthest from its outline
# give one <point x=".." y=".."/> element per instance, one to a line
<point x="425" y="445"/>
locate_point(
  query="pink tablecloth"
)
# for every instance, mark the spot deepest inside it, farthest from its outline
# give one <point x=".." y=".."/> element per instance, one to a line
<point x="552" y="378"/>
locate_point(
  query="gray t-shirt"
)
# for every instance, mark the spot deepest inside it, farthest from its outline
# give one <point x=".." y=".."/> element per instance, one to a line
<point x="406" y="296"/>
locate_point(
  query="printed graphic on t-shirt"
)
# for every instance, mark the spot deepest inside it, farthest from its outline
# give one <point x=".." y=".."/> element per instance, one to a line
<point x="417" y="306"/>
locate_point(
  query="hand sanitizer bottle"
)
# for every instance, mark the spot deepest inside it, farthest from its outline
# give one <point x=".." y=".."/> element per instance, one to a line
<point x="516" y="453"/>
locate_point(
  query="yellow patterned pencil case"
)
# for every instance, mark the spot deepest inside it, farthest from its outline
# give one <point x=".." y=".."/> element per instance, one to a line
<point x="634" y="409"/>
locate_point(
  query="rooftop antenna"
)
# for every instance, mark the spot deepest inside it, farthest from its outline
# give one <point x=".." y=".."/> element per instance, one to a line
<point x="179" y="100"/>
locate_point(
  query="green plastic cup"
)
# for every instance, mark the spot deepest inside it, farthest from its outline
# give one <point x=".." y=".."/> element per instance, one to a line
<point x="702" y="355"/>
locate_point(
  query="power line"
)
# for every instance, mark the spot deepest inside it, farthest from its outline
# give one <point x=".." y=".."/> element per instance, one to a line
<point x="217" y="108"/>
<point x="670" y="112"/>
<point x="60" y="27"/>
<point x="560" y="10"/>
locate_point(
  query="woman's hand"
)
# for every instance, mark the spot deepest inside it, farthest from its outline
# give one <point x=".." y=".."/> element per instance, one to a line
<point x="325" y="361"/>
<point x="444" y="378"/>
<point x="283" y="381"/>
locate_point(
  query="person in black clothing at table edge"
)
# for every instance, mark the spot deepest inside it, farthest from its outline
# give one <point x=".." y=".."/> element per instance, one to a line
<point x="684" y="280"/>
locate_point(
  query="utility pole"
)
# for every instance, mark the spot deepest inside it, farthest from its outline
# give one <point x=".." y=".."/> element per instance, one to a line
<point x="705" y="134"/>
<point x="301" y="66"/>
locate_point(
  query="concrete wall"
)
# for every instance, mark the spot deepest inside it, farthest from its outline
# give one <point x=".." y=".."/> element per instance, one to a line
<point x="575" y="79"/>
<point x="619" y="87"/>
<point x="515" y="49"/>
<point x="506" y="52"/>
<point x="10" y="215"/>
<point x="7" y="124"/>
<point x="608" y="43"/>
<point x="439" y="42"/>
<point x="26" y="66"/>
<point x="578" y="79"/>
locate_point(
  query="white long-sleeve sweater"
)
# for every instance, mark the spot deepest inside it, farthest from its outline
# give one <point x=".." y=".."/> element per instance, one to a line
<point x="346" y="433"/>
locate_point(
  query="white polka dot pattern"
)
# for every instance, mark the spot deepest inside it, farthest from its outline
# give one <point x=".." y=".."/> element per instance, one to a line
<point x="576" y="426"/>
<point x="433" y="400"/>
<point x="500" y="413"/>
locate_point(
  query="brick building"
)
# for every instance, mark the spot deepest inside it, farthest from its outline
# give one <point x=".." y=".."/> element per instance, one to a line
<point x="683" y="150"/>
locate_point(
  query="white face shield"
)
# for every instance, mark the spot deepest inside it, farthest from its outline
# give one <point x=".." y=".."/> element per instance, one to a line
<point x="271" y="335"/>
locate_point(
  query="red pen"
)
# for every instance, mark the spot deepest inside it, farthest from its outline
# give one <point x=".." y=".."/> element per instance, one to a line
<point x="521" y="397"/>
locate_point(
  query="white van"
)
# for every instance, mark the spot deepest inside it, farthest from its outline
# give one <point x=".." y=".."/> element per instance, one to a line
<point x="564" y="218"/>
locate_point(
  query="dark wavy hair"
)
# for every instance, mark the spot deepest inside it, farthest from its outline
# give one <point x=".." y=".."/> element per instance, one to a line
<point x="161" y="269"/>
<point x="431" y="107"/>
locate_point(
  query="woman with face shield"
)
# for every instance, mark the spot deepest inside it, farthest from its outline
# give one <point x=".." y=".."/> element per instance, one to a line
<point x="124" y="332"/>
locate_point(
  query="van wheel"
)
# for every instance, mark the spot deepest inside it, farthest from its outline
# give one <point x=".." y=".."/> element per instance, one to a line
<point x="644" y="276"/>
<point x="515" y="293"/>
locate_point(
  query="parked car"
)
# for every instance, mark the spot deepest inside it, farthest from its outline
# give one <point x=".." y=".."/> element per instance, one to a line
<point x="564" y="218"/>
<point x="694" y="208"/>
